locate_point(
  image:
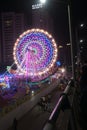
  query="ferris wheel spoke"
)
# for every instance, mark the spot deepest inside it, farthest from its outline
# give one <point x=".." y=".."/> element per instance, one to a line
<point x="35" y="53"/>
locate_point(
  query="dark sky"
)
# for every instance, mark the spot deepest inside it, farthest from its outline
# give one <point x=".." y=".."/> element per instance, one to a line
<point x="79" y="6"/>
<point x="57" y="10"/>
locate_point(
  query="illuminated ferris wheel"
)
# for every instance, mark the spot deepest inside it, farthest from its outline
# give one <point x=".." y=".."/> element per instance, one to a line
<point x="35" y="54"/>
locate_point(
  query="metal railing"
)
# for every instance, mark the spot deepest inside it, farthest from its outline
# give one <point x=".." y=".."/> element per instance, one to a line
<point x="65" y="102"/>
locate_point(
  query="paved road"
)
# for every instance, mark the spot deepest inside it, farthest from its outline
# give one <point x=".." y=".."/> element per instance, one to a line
<point x="37" y="117"/>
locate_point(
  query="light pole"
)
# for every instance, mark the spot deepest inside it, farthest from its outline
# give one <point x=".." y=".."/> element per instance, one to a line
<point x="71" y="41"/>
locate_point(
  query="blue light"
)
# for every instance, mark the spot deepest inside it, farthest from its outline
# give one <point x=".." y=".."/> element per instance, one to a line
<point x="58" y="63"/>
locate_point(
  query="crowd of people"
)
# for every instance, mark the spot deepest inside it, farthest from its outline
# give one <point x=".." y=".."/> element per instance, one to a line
<point x="83" y="89"/>
<point x="82" y="80"/>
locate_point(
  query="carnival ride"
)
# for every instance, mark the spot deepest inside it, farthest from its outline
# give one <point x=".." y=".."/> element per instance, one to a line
<point x="35" y="54"/>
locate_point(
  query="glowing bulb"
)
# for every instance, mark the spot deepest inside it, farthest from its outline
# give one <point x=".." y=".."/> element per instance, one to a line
<point x="42" y="1"/>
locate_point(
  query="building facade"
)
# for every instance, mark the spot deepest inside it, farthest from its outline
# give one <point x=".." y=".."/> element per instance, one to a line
<point x="12" y="25"/>
<point x="41" y="18"/>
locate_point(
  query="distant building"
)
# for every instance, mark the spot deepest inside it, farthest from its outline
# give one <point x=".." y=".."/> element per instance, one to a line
<point x="12" y="25"/>
<point x="41" y="18"/>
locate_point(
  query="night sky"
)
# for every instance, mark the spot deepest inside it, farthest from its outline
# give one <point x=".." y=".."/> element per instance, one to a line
<point x="57" y="11"/>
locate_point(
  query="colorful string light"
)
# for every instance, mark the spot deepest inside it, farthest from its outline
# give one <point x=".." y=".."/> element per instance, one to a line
<point x="35" y="53"/>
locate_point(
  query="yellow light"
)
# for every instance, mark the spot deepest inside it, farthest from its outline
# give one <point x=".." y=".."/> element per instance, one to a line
<point x="60" y="46"/>
<point x="53" y="60"/>
<point x="50" y="36"/>
<point x="63" y="70"/>
<point x="68" y="44"/>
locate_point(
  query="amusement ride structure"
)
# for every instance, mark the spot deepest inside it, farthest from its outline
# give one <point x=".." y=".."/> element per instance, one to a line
<point x="35" y="54"/>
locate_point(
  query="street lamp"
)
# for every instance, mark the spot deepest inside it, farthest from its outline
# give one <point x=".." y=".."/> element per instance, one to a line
<point x="79" y="41"/>
<point x="42" y="1"/>
<point x="81" y="25"/>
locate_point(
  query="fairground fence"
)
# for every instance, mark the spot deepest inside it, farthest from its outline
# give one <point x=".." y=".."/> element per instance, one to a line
<point x="65" y="115"/>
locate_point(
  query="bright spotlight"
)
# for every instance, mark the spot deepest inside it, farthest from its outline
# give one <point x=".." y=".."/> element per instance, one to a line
<point x="63" y="70"/>
<point x="32" y="92"/>
<point x="42" y="1"/>
<point x="81" y="25"/>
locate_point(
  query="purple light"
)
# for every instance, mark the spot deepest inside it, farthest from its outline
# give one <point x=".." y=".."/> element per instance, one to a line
<point x="35" y="55"/>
